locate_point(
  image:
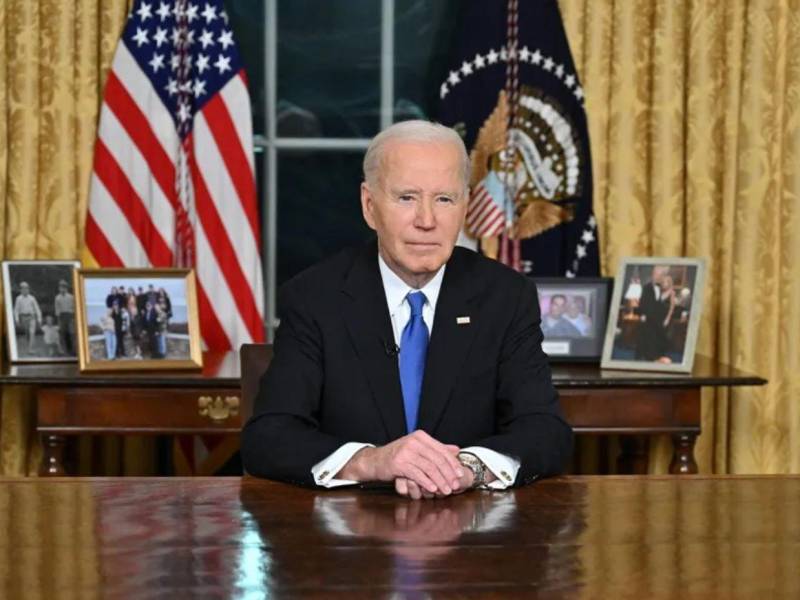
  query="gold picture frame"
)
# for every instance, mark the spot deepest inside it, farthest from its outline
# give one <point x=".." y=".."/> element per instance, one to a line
<point x="137" y="319"/>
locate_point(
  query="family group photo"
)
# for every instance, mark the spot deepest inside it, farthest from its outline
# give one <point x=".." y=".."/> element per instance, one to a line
<point x="136" y="319"/>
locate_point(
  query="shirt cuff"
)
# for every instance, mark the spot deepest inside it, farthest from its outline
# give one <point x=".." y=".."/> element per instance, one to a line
<point x="325" y="470"/>
<point x="503" y="467"/>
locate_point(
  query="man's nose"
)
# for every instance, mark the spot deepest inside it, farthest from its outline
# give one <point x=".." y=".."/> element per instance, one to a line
<point x="425" y="218"/>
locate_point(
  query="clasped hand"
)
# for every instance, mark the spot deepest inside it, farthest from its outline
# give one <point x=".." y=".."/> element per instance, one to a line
<point x="419" y="465"/>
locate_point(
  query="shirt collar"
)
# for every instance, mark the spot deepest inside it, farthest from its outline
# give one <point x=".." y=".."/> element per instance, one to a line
<point x="396" y="289"/>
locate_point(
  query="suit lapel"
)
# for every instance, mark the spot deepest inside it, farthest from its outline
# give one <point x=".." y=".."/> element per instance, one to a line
<point x="450" y="341"/>
<point x="368" y="322"/>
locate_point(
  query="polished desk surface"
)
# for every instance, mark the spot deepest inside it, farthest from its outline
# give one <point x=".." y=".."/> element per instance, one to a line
<point x="576" y="537"/>
<point x="224" y="368"/>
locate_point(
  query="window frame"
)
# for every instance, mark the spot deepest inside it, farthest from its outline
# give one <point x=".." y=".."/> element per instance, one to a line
<point x="267" y="146"/>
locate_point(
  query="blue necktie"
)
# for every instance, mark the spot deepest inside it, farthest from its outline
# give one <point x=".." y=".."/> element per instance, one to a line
<point x="413" y="349"/>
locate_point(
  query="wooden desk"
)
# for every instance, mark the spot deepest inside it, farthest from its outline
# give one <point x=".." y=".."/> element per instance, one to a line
<point x="634" y="403"/>
<point x="581" y="537"/>
<point x="595" y="401"/>
<point x="153" y="403"/>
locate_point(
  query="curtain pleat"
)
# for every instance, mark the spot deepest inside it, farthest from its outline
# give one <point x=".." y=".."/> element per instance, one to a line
<point x="693" y="118"/>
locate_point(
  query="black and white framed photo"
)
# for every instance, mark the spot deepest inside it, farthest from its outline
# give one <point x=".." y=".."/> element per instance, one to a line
<point x="655" y="314"/>
<point x="574" y="313"/>
<point x="40" y="310"/>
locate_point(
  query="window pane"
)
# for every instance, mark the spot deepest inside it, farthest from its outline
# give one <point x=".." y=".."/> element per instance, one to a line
<point x="247" y="22"/>
<point x="423" y="37"/>
<point x="319" y="210"/>
<point x="328" y="68"/>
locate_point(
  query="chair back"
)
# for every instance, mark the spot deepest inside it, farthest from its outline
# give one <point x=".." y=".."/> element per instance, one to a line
<point x="254" y="360"/>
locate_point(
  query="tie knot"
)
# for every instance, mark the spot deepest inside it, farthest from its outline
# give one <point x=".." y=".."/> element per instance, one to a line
<point x="416" y="300"/>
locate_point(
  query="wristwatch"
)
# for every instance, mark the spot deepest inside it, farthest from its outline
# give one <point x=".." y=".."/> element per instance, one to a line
<point x="474" y="464"/>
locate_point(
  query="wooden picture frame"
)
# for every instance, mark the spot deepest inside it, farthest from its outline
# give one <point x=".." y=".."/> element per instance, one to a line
<point x="653" y="329"/>
<point x="40" y="328"/>
<point x="157" y="328"/>
<point x="578" y="334"/>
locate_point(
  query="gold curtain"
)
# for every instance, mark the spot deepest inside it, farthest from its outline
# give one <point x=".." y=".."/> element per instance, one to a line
<point x="53" y="58"/>
<point x="694" y="118"/>
<point x="693" y="114"/>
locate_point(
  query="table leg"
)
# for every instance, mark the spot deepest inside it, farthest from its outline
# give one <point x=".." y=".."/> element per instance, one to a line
<point x="53" y="459"/>
<point x="633" y="455"/>
<point x="683" y="462"/>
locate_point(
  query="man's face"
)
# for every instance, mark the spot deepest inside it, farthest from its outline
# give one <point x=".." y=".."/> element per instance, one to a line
<point x="574" y="309"/>
<point x="659" y="272"/>
<point x="24" y="289"/>
<point x="418" y="208"/>
<point x="557" y="307"/>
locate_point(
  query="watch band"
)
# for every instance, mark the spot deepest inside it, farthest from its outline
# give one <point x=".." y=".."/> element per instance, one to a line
<point x="474" y="464"/>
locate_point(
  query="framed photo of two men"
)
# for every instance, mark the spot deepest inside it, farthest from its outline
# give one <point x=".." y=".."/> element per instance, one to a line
<point x="137" y="319"/>
<point x="40" y="310"/>
<point x="574" y="314"/>
<point x="655" y="314"/>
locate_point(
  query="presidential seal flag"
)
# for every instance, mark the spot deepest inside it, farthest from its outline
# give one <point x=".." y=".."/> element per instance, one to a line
<point x="513" y="93"/>
<point x="173" y="181"/>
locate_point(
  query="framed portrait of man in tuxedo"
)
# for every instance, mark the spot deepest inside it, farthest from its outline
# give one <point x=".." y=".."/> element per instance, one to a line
<point x="137" y="319"/>
<point x="655" y="314"/>
<point x="574" y="315"/>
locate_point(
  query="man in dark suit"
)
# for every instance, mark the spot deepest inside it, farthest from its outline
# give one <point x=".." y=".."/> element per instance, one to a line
<point x="654" y="307"/>
<point x="409" y="361"/>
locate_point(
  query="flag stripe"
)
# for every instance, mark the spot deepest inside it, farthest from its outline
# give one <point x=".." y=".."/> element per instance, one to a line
<point x="479" y="213"/>
<point x="236" y="100"/>
<point x="115" y="226"/>
<point x="219" y="185"/>
<point x="219" y="294"/>
<point x="114" y="178"/>
<point x="117" y="142"/>
<point x="489" y="217"/>
<point x="139" y="130"/>
<point x="223" y="251"/>
<point x="99" y="246"/>
<point x="213" y="333"/>
<point x="494" y="226"/>
<point x="222" y="129"/>
<point x="140" y="88"/>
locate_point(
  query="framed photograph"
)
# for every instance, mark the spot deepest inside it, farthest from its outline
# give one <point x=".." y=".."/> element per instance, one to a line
<point x="137" y="319"/>
<point x="574" y="314"/>
<point x="40" y="310"/>
<point x="655" y="314"/>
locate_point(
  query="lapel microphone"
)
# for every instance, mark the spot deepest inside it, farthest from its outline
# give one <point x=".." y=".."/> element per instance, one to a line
<point x="391" y="349"/>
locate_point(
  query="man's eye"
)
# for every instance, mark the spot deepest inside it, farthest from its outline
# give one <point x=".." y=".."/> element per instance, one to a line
<point x="445" y="199"/>
<point x="406" y="198"/>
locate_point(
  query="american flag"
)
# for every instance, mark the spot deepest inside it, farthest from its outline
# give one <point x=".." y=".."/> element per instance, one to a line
<point x="485" y="216"/>
<point x="173" y="181"/>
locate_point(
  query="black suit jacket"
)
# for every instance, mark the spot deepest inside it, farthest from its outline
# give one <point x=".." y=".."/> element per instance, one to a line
<point x="332" y="380"/>
<point x="651" y="340"/>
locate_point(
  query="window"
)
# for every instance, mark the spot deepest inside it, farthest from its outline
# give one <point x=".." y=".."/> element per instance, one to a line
<point x="325" y="77"/>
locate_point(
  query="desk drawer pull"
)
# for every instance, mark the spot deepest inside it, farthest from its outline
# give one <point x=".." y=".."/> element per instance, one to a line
<point x="218" y="409"/>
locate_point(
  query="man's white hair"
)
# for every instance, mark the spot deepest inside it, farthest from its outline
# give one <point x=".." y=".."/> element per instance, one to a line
<point x="412" y="131"/>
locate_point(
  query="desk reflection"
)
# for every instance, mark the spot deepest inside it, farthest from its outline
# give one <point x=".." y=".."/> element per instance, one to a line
<point x="348" y="541"/>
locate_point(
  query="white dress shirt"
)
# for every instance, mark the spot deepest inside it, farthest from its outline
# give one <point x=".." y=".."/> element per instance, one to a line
<point x="503" y="467"/>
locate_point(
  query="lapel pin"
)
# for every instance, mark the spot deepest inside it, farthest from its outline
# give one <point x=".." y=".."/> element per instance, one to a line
<point x="462" y="320"/>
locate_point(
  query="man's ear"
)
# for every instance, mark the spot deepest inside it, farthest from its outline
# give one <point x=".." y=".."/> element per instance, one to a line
<point x="367" y="205"/>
